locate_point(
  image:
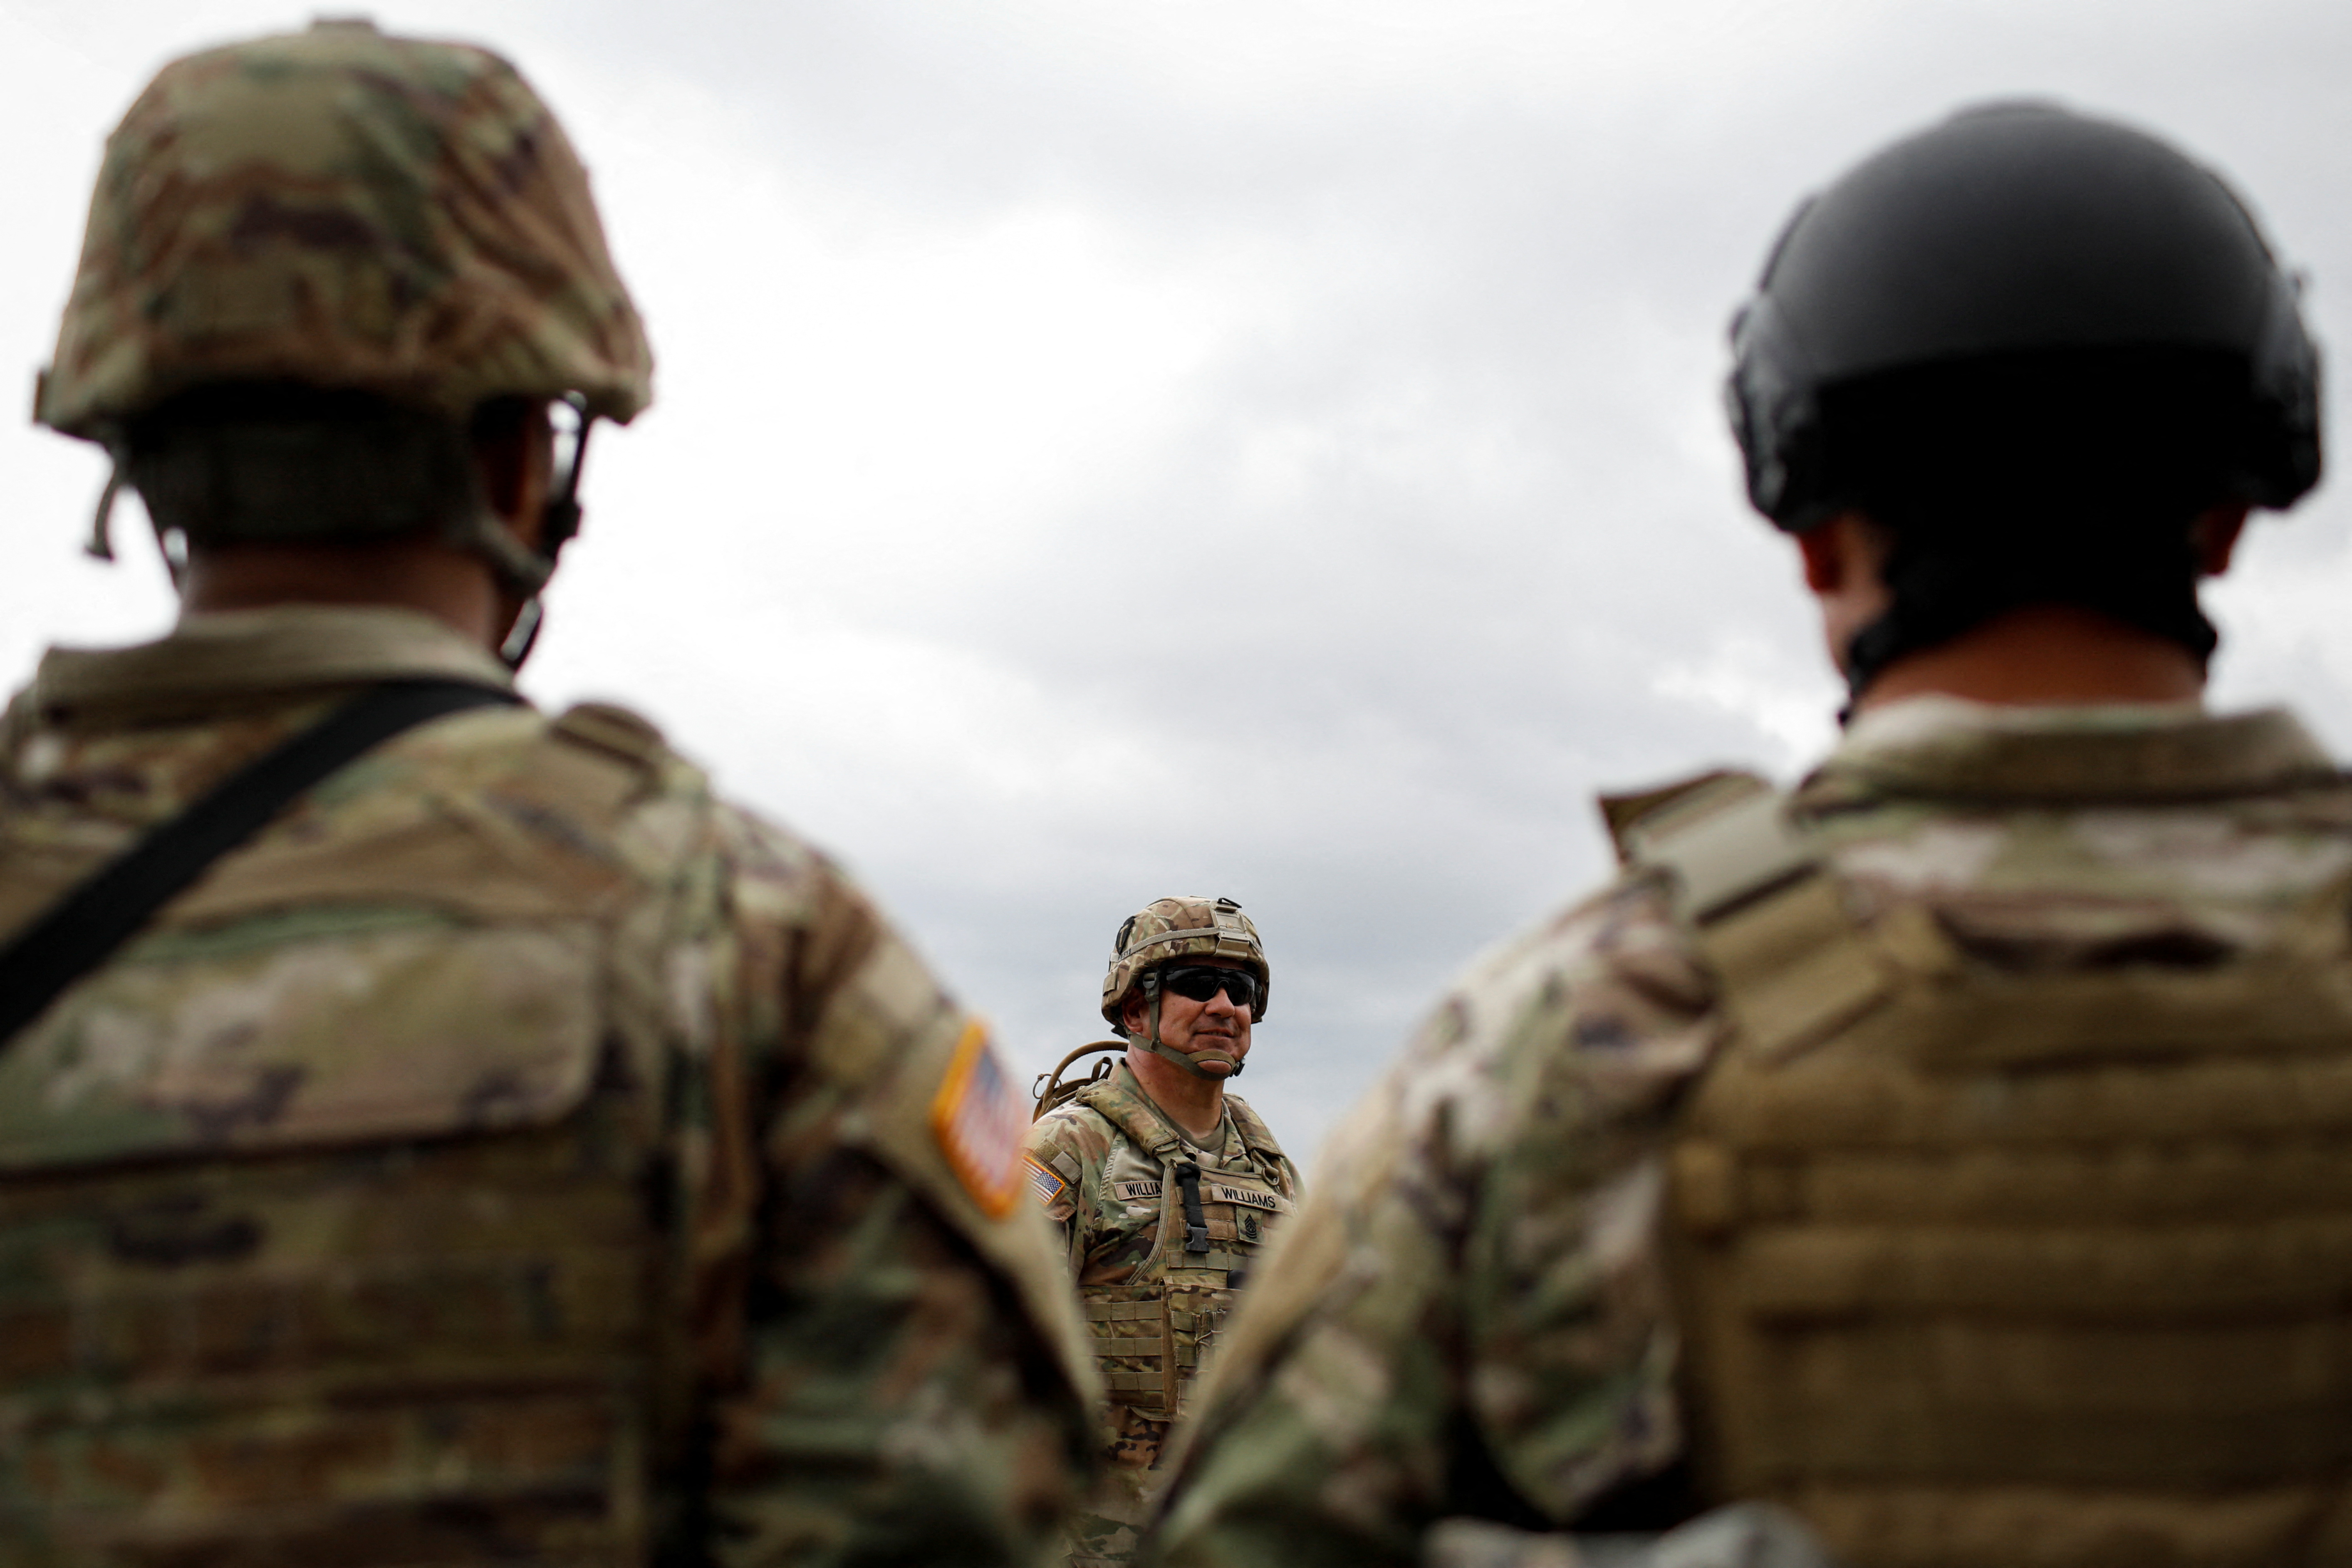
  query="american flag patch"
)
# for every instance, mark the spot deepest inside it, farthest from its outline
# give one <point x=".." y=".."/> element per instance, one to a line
<point x="980" y="1121"/>
<point x="1048" y="1187"/>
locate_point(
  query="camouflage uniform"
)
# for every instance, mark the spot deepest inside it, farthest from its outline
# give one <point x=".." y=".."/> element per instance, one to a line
<point x="1107" y="1168"/>
<point x="1129" y="1187"/>
<point x="1801" y="1193"/>
<point x="514" y="1153"/>
<point x="511" y="1154"/>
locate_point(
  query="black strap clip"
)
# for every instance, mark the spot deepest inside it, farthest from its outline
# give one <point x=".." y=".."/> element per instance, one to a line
<point x="1196" y="1224"/>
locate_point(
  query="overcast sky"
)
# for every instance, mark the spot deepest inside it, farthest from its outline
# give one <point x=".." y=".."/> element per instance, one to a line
<point x="1105" y="449"/>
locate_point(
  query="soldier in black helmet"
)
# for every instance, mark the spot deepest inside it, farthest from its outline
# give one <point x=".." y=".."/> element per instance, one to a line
<point x="1942" y="1163"/>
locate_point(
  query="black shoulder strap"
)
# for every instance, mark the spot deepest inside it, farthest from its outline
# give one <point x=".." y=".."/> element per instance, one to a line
<point x="83" y="929"/>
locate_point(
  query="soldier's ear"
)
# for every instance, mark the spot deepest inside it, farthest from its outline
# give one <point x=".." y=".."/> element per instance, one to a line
<point x="2213" y="537"/>
<point x="513" y="445"/>
<point x="1828" y="548"/>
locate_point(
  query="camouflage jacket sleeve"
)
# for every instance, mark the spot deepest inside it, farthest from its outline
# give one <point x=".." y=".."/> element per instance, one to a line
<point x="1469" y="1315"/>
<point x="1064" y="1153"/>
<point x="902" y="1371"/>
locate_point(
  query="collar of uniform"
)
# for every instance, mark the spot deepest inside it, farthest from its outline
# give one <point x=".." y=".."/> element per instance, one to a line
<point x="1947" y="748"/>
<point x="1134" y="1085"/>
<point x="235" y="653"/>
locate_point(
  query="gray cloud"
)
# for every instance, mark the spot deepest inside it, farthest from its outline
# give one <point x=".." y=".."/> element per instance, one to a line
<point x="1256" y="450"/>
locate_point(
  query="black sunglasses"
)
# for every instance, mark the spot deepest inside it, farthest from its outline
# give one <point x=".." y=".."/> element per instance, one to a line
<point x="1199" y="981"/>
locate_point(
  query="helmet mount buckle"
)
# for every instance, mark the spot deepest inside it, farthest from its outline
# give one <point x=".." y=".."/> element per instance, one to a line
<point x="524" y="635"/>
<point x="558" y="523"/>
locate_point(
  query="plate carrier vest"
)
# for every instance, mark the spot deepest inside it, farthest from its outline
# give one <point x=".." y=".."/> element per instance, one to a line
<point x="1989" y="1265"/>
<point x="424" y="1312"/>
<point x="1152" y="1331"/>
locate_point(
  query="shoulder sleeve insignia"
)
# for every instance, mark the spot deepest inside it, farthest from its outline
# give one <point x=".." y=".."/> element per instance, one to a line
<point x="1045" y="1185"/>
<point x="980" y="1121"/>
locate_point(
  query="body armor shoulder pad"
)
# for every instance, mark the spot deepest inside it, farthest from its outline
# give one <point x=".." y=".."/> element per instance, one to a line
<point x="1125" y="1110"/>
<point x="1253" y="1129"/>
<point x="1074" y="1134"/>
<point x="16" y="724"/>
<point x="1722" y="839"/>
<point x="610" y="728"/>
<point x="1755" y="894"/>
<point x="1639" y="817"/>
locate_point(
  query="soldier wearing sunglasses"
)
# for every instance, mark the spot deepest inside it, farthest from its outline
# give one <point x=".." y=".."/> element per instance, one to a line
<point x="1165" y="1186"/>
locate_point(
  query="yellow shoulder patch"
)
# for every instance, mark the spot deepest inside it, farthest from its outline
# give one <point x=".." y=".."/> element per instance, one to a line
<point x="980" y="1121"/>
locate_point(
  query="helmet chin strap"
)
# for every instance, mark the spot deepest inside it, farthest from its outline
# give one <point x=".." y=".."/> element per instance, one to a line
<point x="527" y="571"/>
<point x="1189" y="1061"/>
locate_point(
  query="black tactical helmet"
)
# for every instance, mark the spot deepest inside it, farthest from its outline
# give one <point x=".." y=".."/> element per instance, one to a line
<point x="2022" y="234"/>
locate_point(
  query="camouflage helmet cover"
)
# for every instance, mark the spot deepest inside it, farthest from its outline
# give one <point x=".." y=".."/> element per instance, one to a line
<point x="343" y="209"/>
<point x="1167" y="929"/>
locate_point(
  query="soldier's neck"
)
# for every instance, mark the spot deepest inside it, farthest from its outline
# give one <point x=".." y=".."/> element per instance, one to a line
<point x="1197" y="1105"/>
<point x="2045" y="655"/>
<point x="452" y="585"/>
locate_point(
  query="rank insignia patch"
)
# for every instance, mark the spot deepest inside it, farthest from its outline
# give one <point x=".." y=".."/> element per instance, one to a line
<point x="1047" y="1186"/>
<point x="979" y="1120"/>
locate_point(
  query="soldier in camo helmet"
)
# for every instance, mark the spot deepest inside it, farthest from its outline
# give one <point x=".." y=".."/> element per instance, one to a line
<point x="344" y="258"/>
<point x="504" y="1151"/>
<point x="1947" y="1151"/>
<point x="1164" y="1185"/>
<point x="1167" y="932"/>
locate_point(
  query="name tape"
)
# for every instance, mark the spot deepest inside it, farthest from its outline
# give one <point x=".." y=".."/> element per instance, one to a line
<point x="1210" y="1191"/>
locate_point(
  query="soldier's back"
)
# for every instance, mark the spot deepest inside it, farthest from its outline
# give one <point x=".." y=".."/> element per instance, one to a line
<point x="1959" y="1178"/>
<point x="466" y="1168"/>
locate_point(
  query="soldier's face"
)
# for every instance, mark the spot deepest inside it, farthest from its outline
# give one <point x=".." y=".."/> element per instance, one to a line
<point x="1217" y="1025"/>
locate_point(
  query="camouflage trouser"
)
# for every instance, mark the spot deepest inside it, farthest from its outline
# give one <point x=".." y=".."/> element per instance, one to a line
<point x="1108" y="1528"/>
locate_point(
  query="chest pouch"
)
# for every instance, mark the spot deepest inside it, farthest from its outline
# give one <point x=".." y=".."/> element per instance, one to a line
<point x="1151" y="1332"/>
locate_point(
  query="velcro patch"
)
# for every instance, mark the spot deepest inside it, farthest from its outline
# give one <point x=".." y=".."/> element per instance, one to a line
<point x="1047" y="1186"/>
<point x="1134" y="1192"/>
<point x="1250" y="1195"/>
<point x="980" y="1121"/>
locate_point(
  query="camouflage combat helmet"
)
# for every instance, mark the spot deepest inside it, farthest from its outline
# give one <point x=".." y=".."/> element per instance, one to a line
<point x="1166" y="931"/>
<point x="343" y="210"/>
